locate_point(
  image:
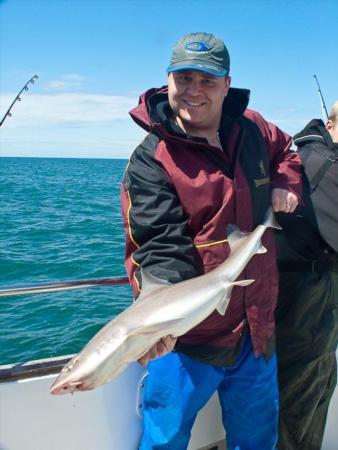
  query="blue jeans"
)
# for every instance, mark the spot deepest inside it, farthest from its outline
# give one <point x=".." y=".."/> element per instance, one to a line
<point x="177" y="387"/>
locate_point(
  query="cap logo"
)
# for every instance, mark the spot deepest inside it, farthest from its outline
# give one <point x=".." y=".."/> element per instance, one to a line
<point x="197" y="46"/>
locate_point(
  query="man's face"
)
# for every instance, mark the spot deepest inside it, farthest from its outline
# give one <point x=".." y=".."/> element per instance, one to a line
<point x="196" y="98"/>
<point x="332" y="128"/>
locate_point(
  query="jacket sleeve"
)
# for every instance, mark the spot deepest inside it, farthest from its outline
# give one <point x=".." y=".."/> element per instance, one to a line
<point x="285" y="165"/>
<point x="156" y="229"/>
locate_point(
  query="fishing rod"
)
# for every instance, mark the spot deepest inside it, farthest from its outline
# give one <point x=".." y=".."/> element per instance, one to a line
<point x="8" y="291"/>
<point x="18" y="98"/>
<point x="322" y="102"/>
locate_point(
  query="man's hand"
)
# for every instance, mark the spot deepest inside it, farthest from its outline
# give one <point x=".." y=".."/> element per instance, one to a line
<point x="164" y="346"/>
<point x="283" y="200"/>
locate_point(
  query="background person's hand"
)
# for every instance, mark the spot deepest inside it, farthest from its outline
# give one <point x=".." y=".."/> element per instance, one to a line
<point x="283" y="200"/>
<point x="164" y="346"/>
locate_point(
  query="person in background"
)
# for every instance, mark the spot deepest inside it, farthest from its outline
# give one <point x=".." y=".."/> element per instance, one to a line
<point x="207" y="162"/>
<point x="306" y="316"/>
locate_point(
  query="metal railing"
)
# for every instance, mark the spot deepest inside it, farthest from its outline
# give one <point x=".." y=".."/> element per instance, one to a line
<point x="8" y="291"/>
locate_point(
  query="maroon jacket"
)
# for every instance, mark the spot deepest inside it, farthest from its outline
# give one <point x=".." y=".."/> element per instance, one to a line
<point x="179" y="194"/>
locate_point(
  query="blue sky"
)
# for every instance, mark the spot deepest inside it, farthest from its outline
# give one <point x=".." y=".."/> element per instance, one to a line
<point x="94" y="58"/>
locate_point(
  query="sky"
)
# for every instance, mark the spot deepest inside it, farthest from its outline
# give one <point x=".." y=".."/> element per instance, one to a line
<point x="94" y="58"/>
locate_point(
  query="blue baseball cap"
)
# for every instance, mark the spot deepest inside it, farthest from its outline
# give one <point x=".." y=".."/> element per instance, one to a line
<point x="203" y="52"/>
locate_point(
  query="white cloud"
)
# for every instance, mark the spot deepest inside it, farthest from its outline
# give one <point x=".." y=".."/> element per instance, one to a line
<point x="65" y="83"/>
<point x="57" y="85"/>
<point x="74" y="125"/>
<point x="38" y="110"/>
<point x="74" y="77"/>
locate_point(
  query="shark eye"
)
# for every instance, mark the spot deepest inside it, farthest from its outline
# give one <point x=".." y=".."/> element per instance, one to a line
<point x="67" y="368"/>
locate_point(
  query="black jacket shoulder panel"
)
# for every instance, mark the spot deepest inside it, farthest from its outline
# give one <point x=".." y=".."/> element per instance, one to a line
<point x="143" y="166"/>
<point x="157" y="221"/>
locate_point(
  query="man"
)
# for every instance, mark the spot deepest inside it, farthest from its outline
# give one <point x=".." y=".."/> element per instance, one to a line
<point x="207" y="162"/>
<point x="307" y="307"/>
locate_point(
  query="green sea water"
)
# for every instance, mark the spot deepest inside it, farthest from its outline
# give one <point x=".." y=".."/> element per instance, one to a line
<point x="60" y="220"/>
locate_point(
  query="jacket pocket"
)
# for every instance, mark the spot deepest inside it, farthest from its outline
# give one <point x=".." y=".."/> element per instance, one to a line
<point x="212" y="253"/>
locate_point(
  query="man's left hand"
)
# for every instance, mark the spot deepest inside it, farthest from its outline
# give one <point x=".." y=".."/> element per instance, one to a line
<point x="164" y="346"/>
<point x="283" y="200"/>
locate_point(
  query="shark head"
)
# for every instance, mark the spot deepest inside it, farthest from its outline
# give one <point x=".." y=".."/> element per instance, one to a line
<point x="72" y="377"/>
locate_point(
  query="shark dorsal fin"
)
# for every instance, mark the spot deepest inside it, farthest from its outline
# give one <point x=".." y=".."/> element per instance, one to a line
<point x="235" y="235"/>
<point x="150" y="282"/>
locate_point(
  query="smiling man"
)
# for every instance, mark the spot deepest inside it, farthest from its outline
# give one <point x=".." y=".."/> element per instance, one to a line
<point x="207" y="162"/>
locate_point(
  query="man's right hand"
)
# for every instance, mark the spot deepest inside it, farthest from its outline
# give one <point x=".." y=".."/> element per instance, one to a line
<point x="164" y="346"/>
<point x="283" y="200"/>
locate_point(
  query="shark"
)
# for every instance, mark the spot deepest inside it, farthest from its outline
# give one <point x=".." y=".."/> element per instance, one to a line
<point x="162" y="309"/>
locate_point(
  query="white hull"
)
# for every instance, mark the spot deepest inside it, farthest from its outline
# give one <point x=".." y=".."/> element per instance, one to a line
<point x="107" y="418"/>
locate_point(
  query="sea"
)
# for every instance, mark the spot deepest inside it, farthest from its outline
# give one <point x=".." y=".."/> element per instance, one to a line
<point x="60" y="220"/>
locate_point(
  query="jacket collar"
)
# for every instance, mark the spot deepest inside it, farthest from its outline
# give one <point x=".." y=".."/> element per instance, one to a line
<point x="314" y="131"/>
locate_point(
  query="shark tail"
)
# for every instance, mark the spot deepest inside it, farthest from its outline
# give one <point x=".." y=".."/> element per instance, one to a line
<point x="235" y="235"/>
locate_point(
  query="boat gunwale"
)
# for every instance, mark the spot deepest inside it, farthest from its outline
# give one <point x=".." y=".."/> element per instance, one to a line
<point x="33" y="369"/>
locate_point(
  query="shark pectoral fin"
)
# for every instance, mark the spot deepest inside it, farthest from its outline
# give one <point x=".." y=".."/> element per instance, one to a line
<point x="155" y="328"/>
<point x="223" y="304"/>
<point x="221" y="308"/>
<point x="150" y="282"/>
<point x="261" y="249"/>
